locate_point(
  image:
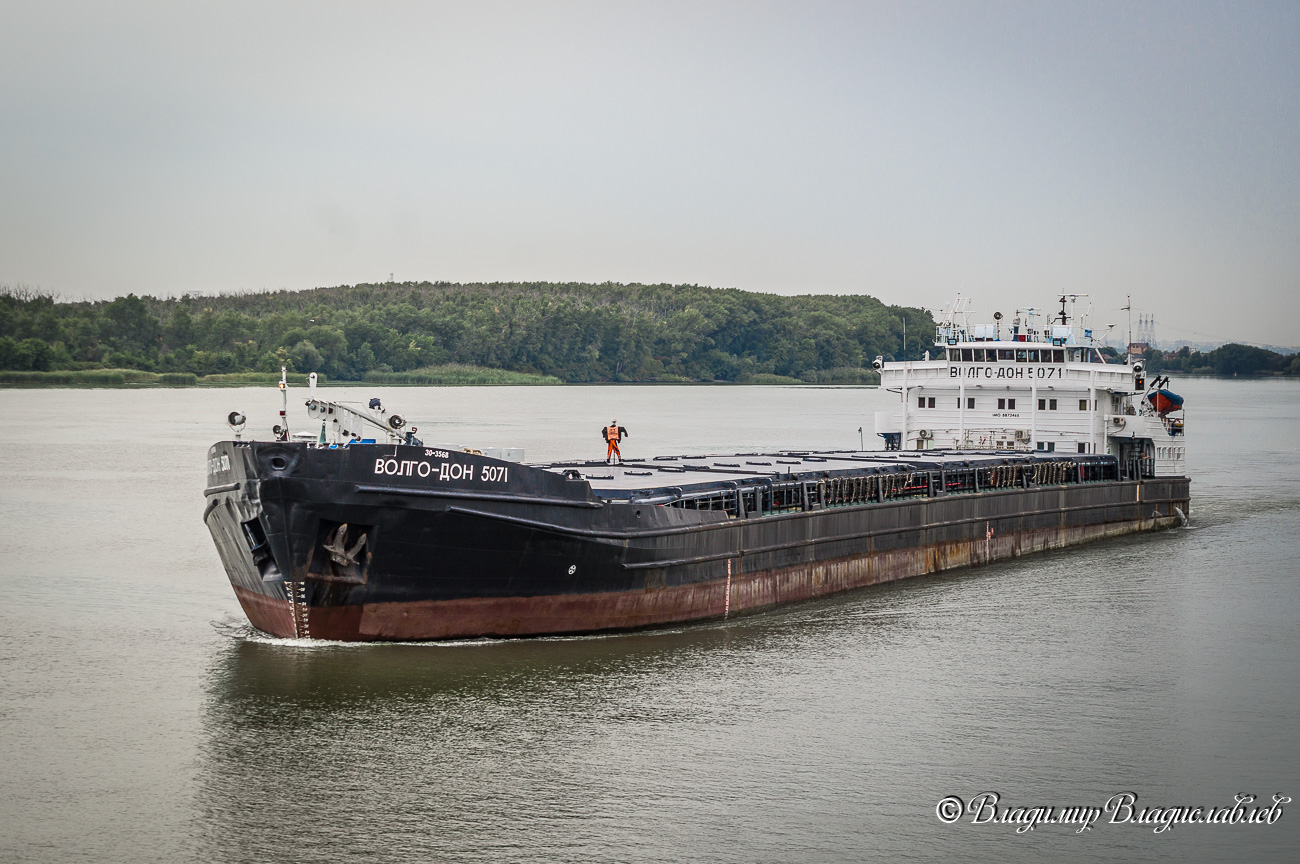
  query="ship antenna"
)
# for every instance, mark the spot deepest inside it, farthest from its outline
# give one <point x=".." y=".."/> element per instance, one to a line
<point x="1128" y="307"/>
<point x="282" y="432"/>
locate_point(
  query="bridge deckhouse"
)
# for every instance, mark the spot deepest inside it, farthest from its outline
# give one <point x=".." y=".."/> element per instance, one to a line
<point x="1021" y="386"/>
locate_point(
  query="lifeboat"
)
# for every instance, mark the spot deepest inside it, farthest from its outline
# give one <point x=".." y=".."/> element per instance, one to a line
<point x="1164" y="401"/>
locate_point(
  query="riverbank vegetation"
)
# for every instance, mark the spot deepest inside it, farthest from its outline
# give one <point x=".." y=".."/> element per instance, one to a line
<point x="1231" y="360"/>
<point x="139" y="378"/>
<point x="499" y="333"/>
<point x="443" y="333"/>
<point x="451" y="375"/>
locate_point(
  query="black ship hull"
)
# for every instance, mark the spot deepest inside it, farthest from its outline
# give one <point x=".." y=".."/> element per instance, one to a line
<point x="375" y="542"/>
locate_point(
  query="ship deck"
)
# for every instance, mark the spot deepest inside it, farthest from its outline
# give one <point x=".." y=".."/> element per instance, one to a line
<point x="663" y="475"/>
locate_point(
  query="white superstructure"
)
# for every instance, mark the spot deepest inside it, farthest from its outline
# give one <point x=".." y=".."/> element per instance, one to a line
<point x="1023" y="385"/>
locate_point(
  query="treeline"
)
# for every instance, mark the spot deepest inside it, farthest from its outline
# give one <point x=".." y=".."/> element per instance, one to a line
<point x="1228" y="360"/>
<point x="575" y="332"/>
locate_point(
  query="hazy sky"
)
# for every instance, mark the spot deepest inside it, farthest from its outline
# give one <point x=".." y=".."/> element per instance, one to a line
<point x="1009" y="150"/>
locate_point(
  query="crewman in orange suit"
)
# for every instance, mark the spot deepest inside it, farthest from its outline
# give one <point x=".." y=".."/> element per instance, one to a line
<point x="613" y="433"/>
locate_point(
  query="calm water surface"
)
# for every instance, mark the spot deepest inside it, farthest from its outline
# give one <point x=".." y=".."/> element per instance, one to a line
<point x="141" y="720"/>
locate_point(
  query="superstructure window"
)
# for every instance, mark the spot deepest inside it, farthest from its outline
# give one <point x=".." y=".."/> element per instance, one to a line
<point x="1011" y="404"/>
<point x="1042" y="404"/>
<point x="966" y="355"/>
<point x="1058" y="355"/>
<point x="1083" y="404"/>
<point x="954" y="354"/>
<point x="931" y="401"/>
<point x="920" y="401"/>
<point x="1021" y="355"/>
<point x="1006" y="354"/>
<point x="970" y="402"/>
<point x="1033" y="356"/>
<point x="1051" y="404"/>
<point x="1083" y="448"/>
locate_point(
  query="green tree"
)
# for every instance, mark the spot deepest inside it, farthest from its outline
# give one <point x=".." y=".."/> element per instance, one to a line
<point x="1234" y="359"/>
<point x="128" y="325"/>
<point x="305" y="358"/>
<point x="180" y="329"/>
<point x="33" y="354"/>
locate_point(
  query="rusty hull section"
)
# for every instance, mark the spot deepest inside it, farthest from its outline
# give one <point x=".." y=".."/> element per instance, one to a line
<point x="737" y="592"/>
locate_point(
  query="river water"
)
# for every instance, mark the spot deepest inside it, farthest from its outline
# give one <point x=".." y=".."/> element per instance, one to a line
<point x="141" y="720"/>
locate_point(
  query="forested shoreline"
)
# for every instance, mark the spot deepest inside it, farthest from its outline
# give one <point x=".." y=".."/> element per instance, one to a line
<point x="496" y="333"/>
<point x="1226" y="361"/>
<point x="414" y="332"/>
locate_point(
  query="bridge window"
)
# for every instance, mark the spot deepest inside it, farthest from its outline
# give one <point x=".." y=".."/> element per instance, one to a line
<point x="966" y="354"/>
<point x="1006" y="354"/>
<point x="1021" y="354"/>
<point x="1058" y="356"/>
<point x="1033" y="356"/>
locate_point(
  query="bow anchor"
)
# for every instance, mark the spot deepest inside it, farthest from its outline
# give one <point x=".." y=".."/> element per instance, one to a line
<point x="336" y="544"/>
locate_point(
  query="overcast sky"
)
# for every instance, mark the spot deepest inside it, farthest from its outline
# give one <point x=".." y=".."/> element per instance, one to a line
<point x="902" y="150"/>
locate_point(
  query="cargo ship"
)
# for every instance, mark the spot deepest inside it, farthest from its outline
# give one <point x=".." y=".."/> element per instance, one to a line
<point x="1012" y="438"/>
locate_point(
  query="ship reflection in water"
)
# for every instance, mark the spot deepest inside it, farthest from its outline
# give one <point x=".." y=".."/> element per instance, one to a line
<point x="474" y="752"/>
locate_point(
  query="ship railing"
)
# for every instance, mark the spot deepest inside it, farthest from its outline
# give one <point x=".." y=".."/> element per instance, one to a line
<point x="770" y="496"/>
<point x="774" y="496"/>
